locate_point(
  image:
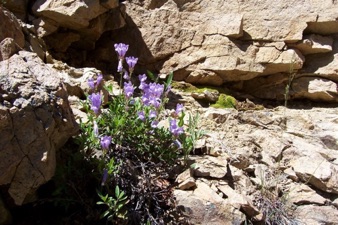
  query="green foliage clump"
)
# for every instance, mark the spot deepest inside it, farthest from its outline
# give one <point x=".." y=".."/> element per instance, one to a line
<point x="225" y="101"/>
<point x="130" y="148"/>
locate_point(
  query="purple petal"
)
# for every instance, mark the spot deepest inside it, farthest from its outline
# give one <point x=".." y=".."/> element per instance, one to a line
<point x="121" y="49"/>
<point x="91" y="83"/>
<point x="131" y="61"/>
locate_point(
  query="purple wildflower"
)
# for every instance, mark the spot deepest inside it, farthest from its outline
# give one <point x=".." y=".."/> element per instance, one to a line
<point x="142" y="78"/>
<point x="141" y="115"/>
<point x="91" y="83"/>
<point x="168" y="90"/>
<point x="98" y="80"/>
<point x="131" y="61"/>
<point x="179" y="108"/>
<point x="178" y="143"/>
<point x="174" y="128"/>
<point x="128" y="89"/>
<point x="95" y="100"/>
<point x="104" y="177"/>
<point x="126" y="75"/>
<point x="143" y="86"/>
<point x="105" y="142"/>
<point x="152" y="94"/>
<point x="95" y="83"/>
<point x="121" y="49"/>
<point x="154" y="124"/>
<point x="152" y="114"/>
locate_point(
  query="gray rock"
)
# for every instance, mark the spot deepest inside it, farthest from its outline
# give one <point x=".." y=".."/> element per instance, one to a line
<point x="11" y="36"/>
<point x="35" y="123"/>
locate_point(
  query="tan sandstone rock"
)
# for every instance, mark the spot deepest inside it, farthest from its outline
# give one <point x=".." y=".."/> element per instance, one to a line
<point x="318" y="172"/>
<point x="72" y="14"/>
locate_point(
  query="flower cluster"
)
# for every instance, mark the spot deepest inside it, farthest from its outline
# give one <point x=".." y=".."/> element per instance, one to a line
<point x="175" y="127"/>
<point x="121" y="50"/>
<point x="95" y="100"/>
<point x="95" y="104"/>
<point x="94" y="84"/>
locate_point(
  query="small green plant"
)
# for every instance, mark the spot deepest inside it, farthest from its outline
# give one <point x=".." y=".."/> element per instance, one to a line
<point x="194" y="135"/>
<point x="271" y="202"/>
<point x="225" y="101"/>
<point x="116" y="205"/>
<point x="289" y="84"/>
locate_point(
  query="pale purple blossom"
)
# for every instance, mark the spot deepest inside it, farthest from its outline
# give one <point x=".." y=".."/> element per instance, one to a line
<point x="179" y="109"/>
<point x="143" y="84"/>
<point x="91" y="83"/>
<point x="142" y="77"/>
<point x="152" y="114"/>
<point x="131" y="61"/>
<point x="126" y="75"/>
<point x="152" y="94"/>
<point x="178" y="143"/>
<point x="128" y="89"/>
<point x="95" y="83"/>
<point x="154" y="124"/>
<point x="174" y="128"/>
<point x="141" y="115"/>
<point x="168" y="89"/>
<point x="95" y="99"/>
<point x="98" y="80"/>
<point x="121" y="49"/>
<point x="105" y="142"/>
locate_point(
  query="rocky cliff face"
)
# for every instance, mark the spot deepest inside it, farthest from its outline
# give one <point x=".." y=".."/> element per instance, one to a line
<point x="253" y="47"/>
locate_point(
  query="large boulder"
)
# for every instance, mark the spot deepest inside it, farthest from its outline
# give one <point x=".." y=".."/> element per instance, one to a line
<point x="12" y="38"/>
<point x="36" y="120"/>
<point x="80" y="23"/>
<point x="72" y="14"/>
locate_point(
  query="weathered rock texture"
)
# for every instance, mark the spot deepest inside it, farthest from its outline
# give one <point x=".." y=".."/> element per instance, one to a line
<point x="12" y="38"/>
<point x="35" y="120"/>
<point x="252" y="47"/>
<point x="79" y="23"/>
<point x="254" y="44"/>
<point x="265" y="157"/>
<point x="19" y="8"/>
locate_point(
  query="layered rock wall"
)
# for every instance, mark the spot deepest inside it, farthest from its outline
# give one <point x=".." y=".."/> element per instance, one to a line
<point x="250" y="46"/>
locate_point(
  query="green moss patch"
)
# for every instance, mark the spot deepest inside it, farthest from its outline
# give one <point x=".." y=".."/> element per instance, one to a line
<point x="225" y="101"/>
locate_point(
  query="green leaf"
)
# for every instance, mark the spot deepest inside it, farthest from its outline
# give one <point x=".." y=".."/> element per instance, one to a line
<point x="151" y="76"/>
<point x="105" y="214"/>
<point x="121" y="195"/>
<point x="117" y="191"/>
<point x="169" y="80"/>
